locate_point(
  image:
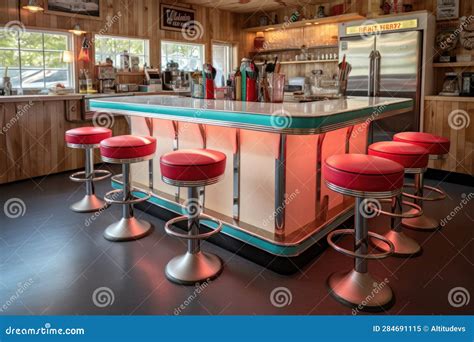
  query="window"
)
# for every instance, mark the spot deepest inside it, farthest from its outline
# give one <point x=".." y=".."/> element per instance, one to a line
<point x="189" y="56"/>
<point x="112" y="47"/>
<point x="222" y="61"/>
<point x="34" y="58"/>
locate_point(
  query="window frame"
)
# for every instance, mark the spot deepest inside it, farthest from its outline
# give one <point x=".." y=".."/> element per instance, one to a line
<point x="146" y="51"/>
<point x="163" y="63"/>
<point x="69" y="46"/>
<point x="230" y="52"/>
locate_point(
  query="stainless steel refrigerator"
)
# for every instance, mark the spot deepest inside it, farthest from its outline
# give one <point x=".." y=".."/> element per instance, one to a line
<point x="386" y="65"/>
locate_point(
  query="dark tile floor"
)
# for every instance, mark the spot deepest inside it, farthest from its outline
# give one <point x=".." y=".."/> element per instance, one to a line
<point x="52" y="262"/>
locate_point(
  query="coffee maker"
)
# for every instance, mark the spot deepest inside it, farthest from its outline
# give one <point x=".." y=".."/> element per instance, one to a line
<point x="106" y="76"/>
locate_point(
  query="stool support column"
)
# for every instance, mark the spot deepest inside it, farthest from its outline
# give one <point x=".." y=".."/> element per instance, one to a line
<point x="396" y="208"/>
<point x="127" y="209"/>
<point x="89" y="171"/>
<point x="193" y="211"/>
<point x="361" y="239"/>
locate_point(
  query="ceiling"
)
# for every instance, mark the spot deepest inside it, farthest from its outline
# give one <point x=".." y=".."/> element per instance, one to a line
<point x="249" y="6"/>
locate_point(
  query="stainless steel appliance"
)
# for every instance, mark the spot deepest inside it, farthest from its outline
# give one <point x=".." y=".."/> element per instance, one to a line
<point x="386" y="58"/>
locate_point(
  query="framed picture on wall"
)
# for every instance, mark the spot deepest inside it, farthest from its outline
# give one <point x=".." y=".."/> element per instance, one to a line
<point x="176" y="18"/>
<point x="447" y="9"/>
<point x="74" y="8"/>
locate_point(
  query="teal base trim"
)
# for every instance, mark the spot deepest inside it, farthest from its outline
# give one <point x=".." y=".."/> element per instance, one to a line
<point x="285" y="251"/>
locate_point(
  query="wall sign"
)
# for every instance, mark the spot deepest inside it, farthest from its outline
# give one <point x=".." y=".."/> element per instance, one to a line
<point x="382" y="27"/>
<point x="447" y="9"/>
<point x="175" y="18"/>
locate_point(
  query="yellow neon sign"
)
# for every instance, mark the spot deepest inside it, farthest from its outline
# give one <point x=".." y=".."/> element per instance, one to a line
<point x="382" y="27"/>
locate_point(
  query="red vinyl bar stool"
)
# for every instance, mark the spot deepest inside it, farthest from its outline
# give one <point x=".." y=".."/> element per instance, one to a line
<point x="88" y="138"/>
<point x="366" y="178"/>
<point x="125" y="150"/>
<point x="193" y="168"/>
<point x="438" y="148"/>
<point x="415" y="160"/>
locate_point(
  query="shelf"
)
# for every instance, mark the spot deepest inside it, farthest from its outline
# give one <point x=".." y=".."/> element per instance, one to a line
<point x="131" y="73"/>
<point x="264" y="51"/>
<point x="306" y="62"/>
<point x="303" y="23"/>
<point x="453" y="65"/>
<point x="449" y="98"/>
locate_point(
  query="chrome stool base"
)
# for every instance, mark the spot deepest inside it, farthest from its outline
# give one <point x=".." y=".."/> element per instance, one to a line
<point x="421" y="223"/>
<point x="404" y="245"/>
<point x="127" y="229"/>
<point x="361" y="290"/>
<point x="88" y="204"/>
<point x="192" y="268"/>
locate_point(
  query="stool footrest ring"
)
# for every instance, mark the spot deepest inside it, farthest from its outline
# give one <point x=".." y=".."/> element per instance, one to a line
<point x="441" y="196"/>
<point x="192" y="237"/>
<point x="109" y="197"/>
<point x="81" y="176"/>
<point x="416" y="213"/>
<point x="355" y="254"/>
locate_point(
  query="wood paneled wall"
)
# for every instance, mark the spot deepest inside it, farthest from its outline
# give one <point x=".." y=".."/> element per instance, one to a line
<point x="136" y="18"/>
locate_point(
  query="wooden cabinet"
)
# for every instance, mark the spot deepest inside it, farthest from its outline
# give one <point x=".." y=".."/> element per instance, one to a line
<point x="32" y="138"/>
<point x="452" y="117"/>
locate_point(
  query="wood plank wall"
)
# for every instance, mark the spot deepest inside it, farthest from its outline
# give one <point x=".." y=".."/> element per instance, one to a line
<point x="139" y="18"/>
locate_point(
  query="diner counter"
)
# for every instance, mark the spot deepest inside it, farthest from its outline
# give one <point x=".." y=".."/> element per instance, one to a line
<point x="290" y="118"/>
<point x="285" y="207"/>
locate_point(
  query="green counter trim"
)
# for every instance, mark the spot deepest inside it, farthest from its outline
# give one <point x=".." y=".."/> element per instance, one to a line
<point x="267" y="121"/>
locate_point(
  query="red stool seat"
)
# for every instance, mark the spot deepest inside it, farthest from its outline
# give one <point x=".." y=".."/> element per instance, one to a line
<point x="87" y="135"/>
<point x="127" y="147"/>
<point x="410" y="156"/>
<point x="434" y="144"/>
<point x="192" y="164"/>
<point x="363" y="173"/>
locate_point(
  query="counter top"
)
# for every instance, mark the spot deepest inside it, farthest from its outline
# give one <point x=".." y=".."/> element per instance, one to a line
<point x="75" y="96"/>
<point x="291" y="118"/>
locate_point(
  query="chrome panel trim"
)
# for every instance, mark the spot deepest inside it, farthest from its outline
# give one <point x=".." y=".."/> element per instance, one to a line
<point x="438" y="156"/>
<point x="320" y="214"/>
<point x="175" y="148"/>
<point x="280" y="187"/>
<point x="236" y="177"/>
<point x="149" y="123"/>
<point x="415" y="170"/>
